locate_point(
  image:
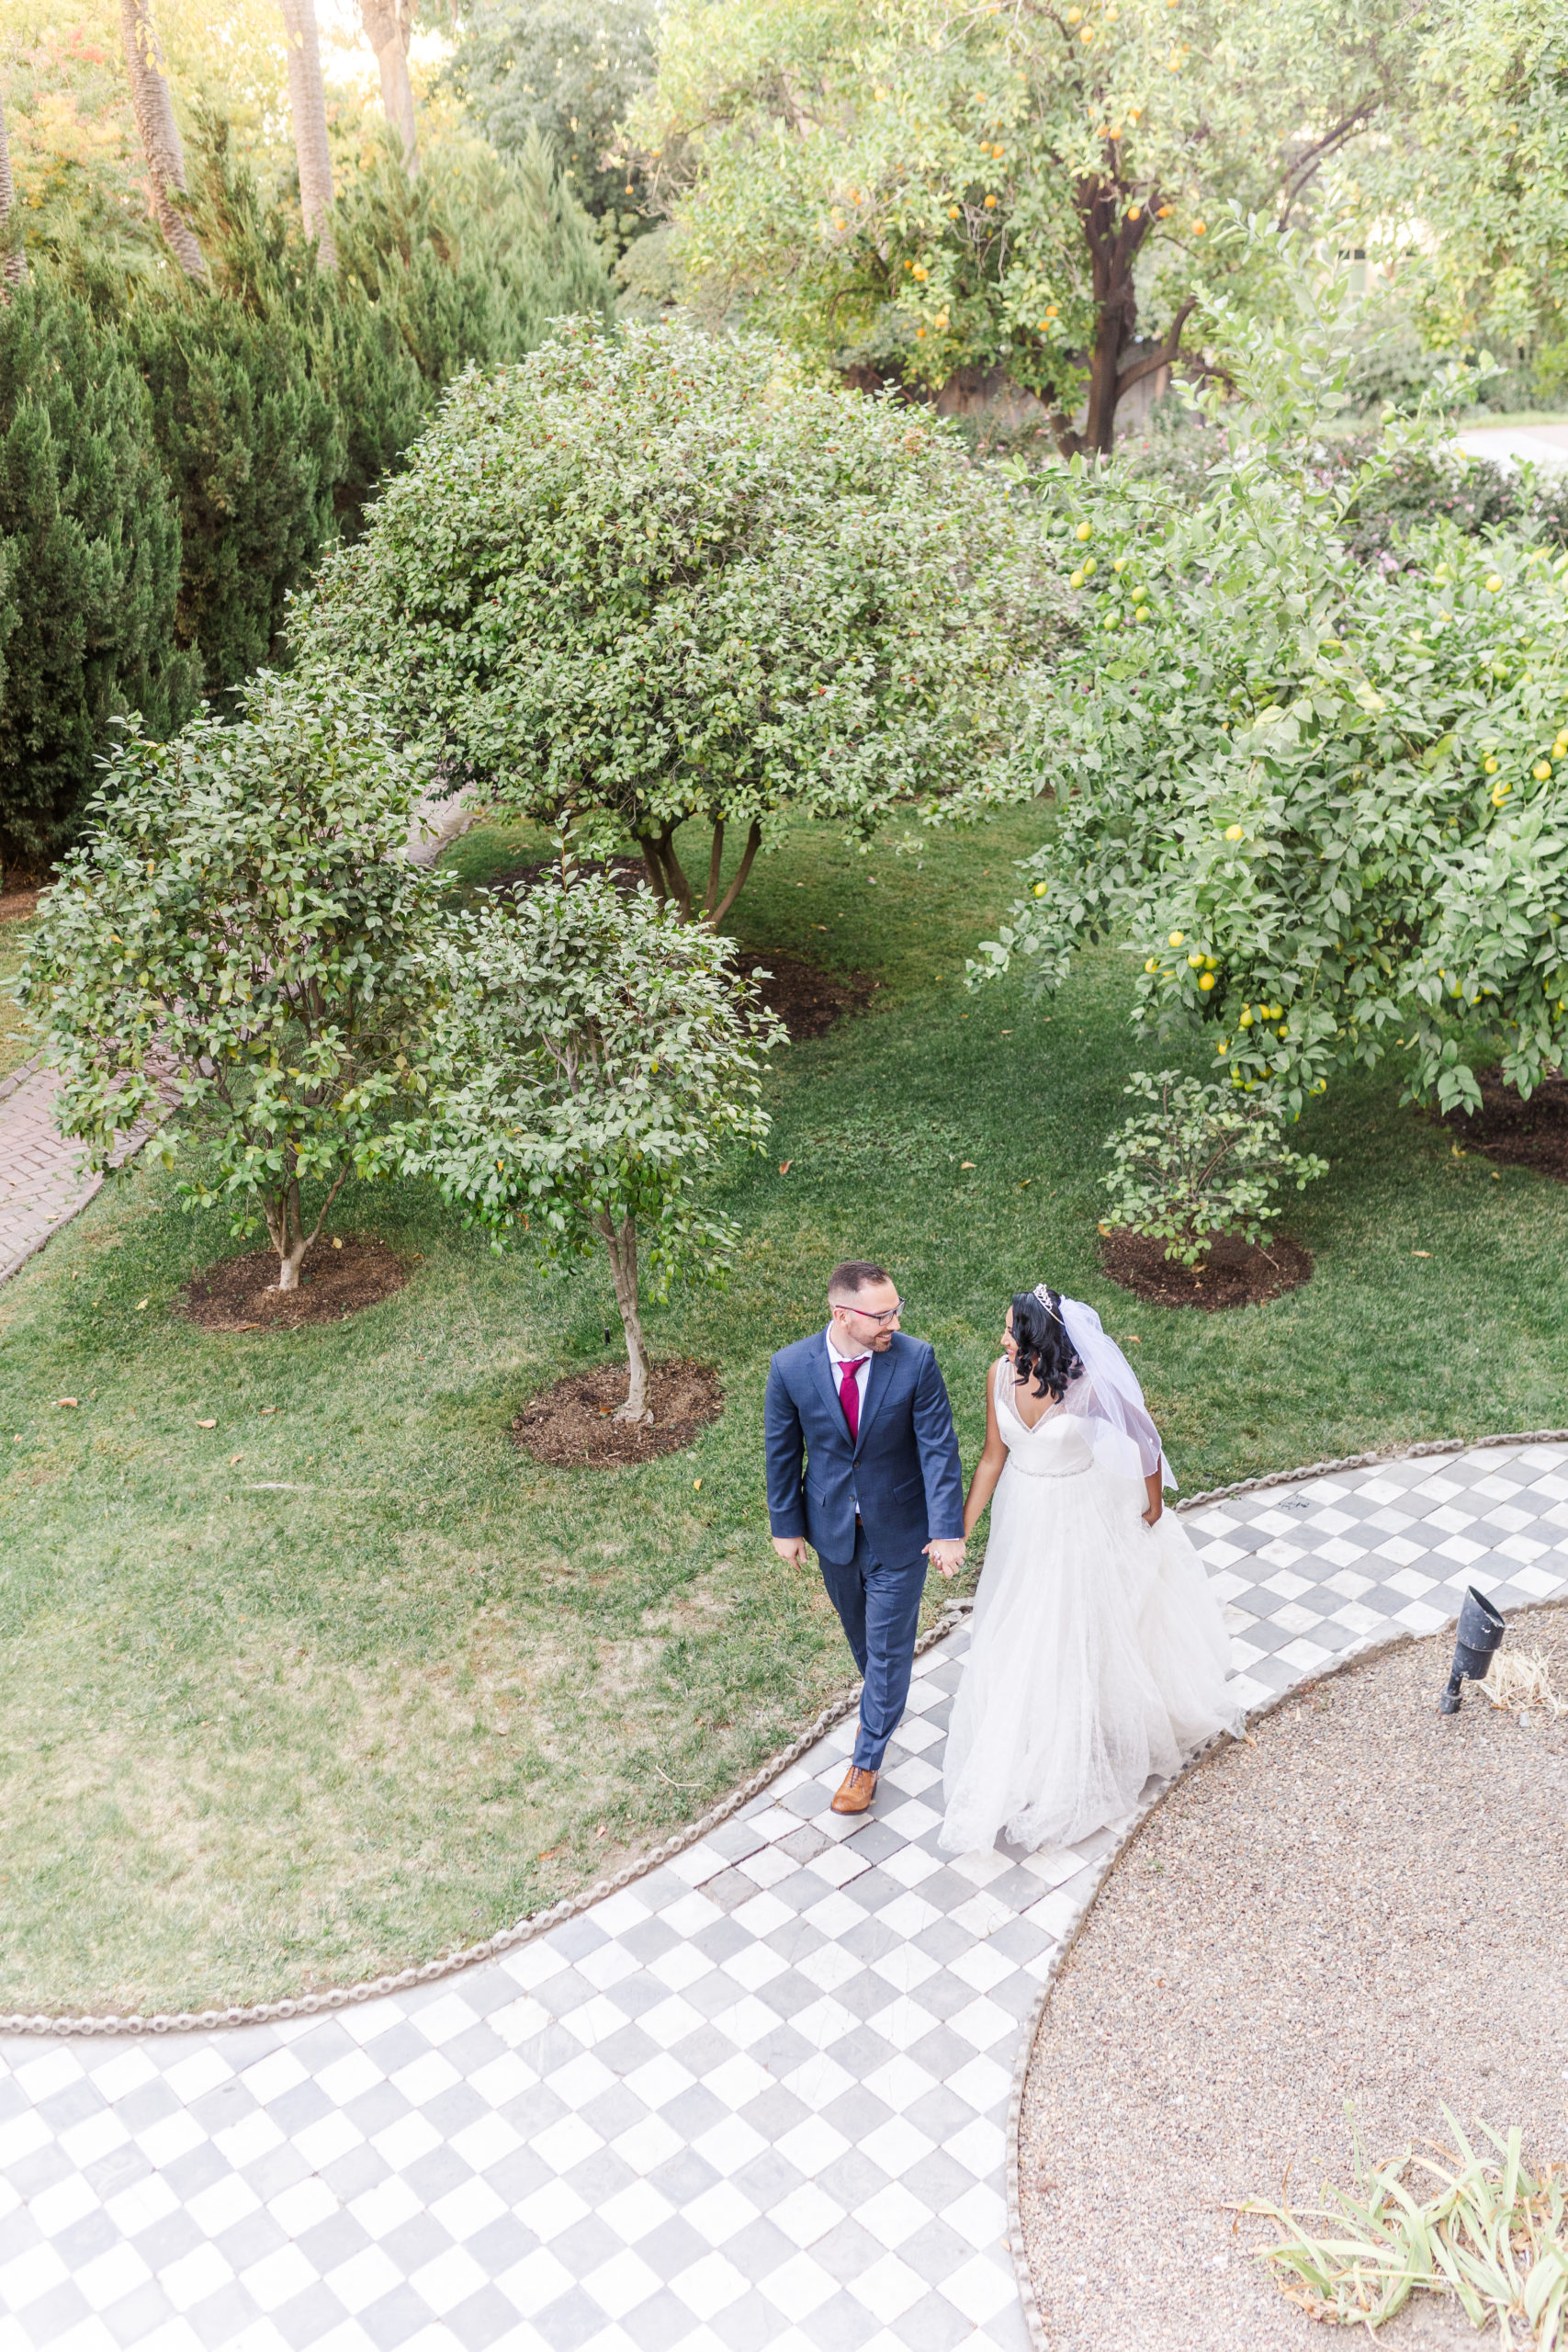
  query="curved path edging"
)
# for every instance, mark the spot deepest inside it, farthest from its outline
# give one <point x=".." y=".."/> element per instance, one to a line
<point x="539" y="1923"/>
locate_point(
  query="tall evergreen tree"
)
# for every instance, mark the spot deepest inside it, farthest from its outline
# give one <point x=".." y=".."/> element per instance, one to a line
<point x="89" y="561"/>
<point x="389" y="26"/>
<point x="308" y="110"/>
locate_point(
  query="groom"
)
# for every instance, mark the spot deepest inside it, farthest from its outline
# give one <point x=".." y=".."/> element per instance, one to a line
<point x="863" y="1464"/>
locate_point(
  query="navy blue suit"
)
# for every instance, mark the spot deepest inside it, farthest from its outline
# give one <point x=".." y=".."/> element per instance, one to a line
<point x="902" y="1472"/>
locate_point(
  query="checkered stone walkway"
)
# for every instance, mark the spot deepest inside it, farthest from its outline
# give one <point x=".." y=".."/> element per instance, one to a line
<point x="756" y="2100"/>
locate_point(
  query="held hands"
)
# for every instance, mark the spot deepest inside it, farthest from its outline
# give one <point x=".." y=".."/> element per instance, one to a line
<point x="947" y="1553"/>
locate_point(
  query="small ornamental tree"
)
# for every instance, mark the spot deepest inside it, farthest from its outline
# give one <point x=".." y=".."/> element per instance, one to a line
<point x="1324" y="804"/>
<point x="233" y="953"/>
<point x="594" y="1056"/>
<point x="640" y="581"/>
<point x="1200" y="1164"/>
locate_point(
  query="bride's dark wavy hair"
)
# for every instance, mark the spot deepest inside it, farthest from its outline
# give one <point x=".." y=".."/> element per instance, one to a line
<point x="1046" y="1354"/>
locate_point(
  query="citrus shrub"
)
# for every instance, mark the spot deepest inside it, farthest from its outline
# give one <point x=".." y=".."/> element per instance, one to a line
<point x="637" y="580"/>
<point x="1201" y="1163"/>
<point x="236" y="953"/>
<point x="1323" y="804"/>
<point x="593" y="1055"/>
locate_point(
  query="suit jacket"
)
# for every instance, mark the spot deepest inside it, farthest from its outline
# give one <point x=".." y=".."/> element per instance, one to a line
<point x="904" y="1467"/>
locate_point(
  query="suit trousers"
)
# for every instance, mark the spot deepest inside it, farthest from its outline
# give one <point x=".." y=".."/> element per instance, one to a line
<point x="879" y="1609"/>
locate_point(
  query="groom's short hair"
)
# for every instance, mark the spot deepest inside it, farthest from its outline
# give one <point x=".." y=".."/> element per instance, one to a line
<point x="855" y="1275"/>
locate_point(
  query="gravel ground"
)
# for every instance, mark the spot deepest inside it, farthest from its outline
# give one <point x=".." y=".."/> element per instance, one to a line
<point x="1370" y="1903"/>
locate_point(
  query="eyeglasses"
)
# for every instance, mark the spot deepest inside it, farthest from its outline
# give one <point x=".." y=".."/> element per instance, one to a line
<point x="870" y="1314"/>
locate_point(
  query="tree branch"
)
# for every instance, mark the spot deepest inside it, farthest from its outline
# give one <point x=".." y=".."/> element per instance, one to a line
<point x="753" y="844"/>
<point x="1166" y="357"/>
<point x="715" y="863"/>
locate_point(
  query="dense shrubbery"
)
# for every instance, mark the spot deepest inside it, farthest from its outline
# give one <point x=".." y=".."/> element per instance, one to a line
<point x="173" y="459"/>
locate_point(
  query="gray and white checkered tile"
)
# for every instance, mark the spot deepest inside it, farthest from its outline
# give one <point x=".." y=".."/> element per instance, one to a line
<point x="757" y="2099"/>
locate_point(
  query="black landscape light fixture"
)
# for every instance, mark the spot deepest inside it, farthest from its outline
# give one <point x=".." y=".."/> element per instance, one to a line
<point x="1481" y="1631"/>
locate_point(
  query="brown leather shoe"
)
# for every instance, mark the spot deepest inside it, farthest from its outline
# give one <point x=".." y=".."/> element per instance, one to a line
<point x="855" y="1792"/>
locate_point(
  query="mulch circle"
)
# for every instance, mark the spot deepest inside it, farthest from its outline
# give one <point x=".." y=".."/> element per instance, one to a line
<point x="1518" y="1134"/>
<point x="240" y="1293"/>
<point x="1235" y="1273"/>
<point x="572" y="1427"/>
<point x="808" y="1002"/>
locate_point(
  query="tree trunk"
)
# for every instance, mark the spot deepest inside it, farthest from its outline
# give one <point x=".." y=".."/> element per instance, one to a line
<point x="13" y="267"/>
<point x="389" y="25"/>
<point x="622" y="1246"/>
<point x="159" y="132"/>
<point x="286" y="1224"/>
<point x="669" y="879"/>
<point x="308" y="108"/>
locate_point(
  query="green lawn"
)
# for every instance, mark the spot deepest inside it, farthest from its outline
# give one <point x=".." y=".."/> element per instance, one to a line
<point x="17" y="1038"/>
<point x="377" y="1685"/>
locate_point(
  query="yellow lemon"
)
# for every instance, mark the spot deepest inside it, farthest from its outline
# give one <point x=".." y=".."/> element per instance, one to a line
<point x="1493" y="582"/>
<point x="1234" y="833"/>
<point x="1041" y="888"/>
<point x="1206" y="980"/>
<point x="1112" y="620"/>
<point x="1152" y="964"/>
<point x="1077" y="579"/>
<point x="1247" y="1017"/>
<point x="1196" y="960"/>
<point x="1084" y="531"/>
<point x="1120" y="564"/>
<point x="1542" y="771"/>
<point x="1090" y="567"/>
<point x="1491" y="768"/>
<point x="1177" y="939"/>
<point x="1142" y="612"/>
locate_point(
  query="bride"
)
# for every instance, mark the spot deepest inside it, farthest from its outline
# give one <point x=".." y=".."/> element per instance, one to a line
<point x="1099" y="1653"/>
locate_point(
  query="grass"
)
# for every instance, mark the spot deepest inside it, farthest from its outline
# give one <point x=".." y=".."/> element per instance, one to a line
<point x="16" y="1037"/>
<point x="327" y="1688"/>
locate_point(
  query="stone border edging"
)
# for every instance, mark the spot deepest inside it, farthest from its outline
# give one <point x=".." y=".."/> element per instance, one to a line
<point x="1366" y="1652"/>
<point x="538" y="1923"/>
<point x="20" y="1076"/>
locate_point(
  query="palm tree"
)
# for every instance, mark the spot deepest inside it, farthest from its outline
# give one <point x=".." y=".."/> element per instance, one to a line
<point x="160" y="133"/>
<point x="389" y="25"/>
<point x="14" y="266"/>
<point x="308" y="107"/>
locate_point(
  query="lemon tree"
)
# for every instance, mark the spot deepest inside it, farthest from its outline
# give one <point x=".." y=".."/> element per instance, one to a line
<point x="942" y="190"/>
<point x="1324" y="805"/>
<point x="639" y="580"/>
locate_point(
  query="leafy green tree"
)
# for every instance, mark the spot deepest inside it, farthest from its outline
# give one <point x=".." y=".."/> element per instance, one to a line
<point x="1467" y="198"/>
<point x="571" y="71"/>
<point x="239" y="952"/>
<point x="631" y="582"/>
<point x="1322" y="803"/>
<point x="593" y="1058"/>
<point x="89" y="560"/>
<point x="942" y="189"/>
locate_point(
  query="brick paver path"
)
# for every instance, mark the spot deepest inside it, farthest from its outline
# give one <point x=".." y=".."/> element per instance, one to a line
<point x="40" y="1189"/>
<point x="757" y="2099"/>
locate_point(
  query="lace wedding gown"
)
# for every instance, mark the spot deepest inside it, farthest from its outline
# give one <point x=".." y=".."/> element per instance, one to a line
<point x="1099" y="1653"/>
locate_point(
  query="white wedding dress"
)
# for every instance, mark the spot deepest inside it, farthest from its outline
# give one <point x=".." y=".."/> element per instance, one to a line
<point x="1099" y="1653"/>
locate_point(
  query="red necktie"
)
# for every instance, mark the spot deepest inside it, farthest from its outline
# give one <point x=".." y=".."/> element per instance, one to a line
<point x="848" y="1395"/>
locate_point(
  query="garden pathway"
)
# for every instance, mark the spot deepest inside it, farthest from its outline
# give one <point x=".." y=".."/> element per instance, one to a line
<point x="757" y="2099"/>
<point x="40" y="1189"/>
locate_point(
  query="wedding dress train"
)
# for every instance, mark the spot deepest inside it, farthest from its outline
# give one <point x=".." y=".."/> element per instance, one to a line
<point x="1099" y="1653"/>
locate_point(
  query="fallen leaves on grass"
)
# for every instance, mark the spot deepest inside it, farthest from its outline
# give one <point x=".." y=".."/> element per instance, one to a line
<point x="207" y="1425"/>
<point x="62" y="1401"/>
